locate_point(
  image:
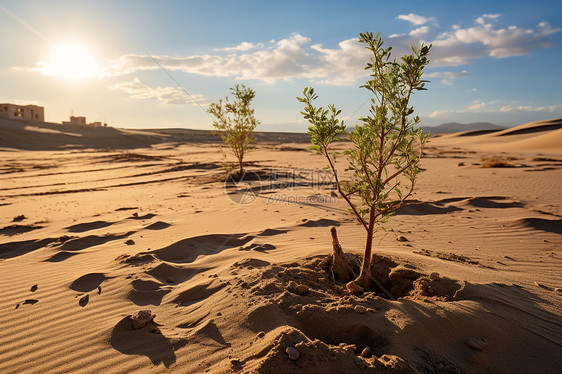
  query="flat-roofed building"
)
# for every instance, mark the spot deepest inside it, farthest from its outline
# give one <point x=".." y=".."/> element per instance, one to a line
<point x="33" y="113"/>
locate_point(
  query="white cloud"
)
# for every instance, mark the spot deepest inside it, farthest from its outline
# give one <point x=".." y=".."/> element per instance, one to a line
<point x="439" y="113"/>
<point x="530" y="108"/>
<point x="167" y="95"/>
<point x="448" y="76"/>
<point x="477" y="106"/>
<point x="244" y="46"/>
<point x="490" y="108"/>
<point x="419" y="32"/>
<point x="482" y="20"/>
<point x="460" y="46"/>
<point x="415" y="19"/>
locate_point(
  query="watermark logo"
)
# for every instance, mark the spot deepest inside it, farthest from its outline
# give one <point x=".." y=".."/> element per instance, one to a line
<point x="280" y="186"/>
<point x="242" y="188"/>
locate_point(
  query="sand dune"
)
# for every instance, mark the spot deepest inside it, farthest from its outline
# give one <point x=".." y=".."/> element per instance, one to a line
<point x="95" y="243"/>
<point x="540" y="136"/>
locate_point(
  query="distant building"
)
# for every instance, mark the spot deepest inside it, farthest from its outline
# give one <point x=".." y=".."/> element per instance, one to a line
<point x="23" y="112"/>
<point x="81" y="121"/>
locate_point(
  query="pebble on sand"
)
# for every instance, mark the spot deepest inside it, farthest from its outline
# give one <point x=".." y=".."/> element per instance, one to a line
<point x="293" y="353"/>
<point x="476" y="344"/>
<point x="354" y="288"/>
<point x="366" y="353"/>
<point x="434" y="276"/>
<point x="19" y="218"/>
<point x="141" y="318"/>
<point x="299" y="289"/>
<point x="360" y="309"/>
<point x="402" y="238"/>
<point x="34" y="288"/>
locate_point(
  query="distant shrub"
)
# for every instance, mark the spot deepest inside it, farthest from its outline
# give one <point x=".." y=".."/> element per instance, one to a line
<point x="235" y="122"/>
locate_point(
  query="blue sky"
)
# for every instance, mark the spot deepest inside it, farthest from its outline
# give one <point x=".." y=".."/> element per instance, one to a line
<point x="126" y="62"/>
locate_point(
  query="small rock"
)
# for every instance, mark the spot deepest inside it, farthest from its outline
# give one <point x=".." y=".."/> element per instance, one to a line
<point x="84" y="300"/>
<point x="261" y="334"/>
<point x="130" y="242"/>
<point x="19" y="218"/>
<point x="360" y="309"/>
<point x="293" y="353"/>
<point x="299" y="289"/>
<point x="541" y="285"/>
<point x="141" y="318"/>
<point x="558" y="289"/>
<point x="235" y="362"/>
<point x="33" y="288"/>
<point x="354" y="288"/>
<point x="402" y="238"/>
<point x="434" y="276"/>
<point x="366" y="353"/>
<point x="476" y="344"/>
<point x="460" y="164"/>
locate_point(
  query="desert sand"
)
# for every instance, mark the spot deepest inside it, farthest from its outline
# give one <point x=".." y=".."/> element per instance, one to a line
<point x="125" y="251"/>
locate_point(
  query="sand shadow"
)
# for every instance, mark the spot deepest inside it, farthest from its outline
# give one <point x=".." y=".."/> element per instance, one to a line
<point x="197" y="293"/>
<point x="146" y="216"/>
<point x="146" y="292"/>
<point x="18" y="229"/>
<point x="493" y="202"/>
<point x="549" y="225"/>
<point x="322" y="222"/>
<point x="272" y="232"/>
<point x="14" y="249"/>
<point x="60" y="256"/>
<point x="188" y="250"/>
<point x="147" y="341"/>
<point x="87" y="226"/>
<point x="421" y="208"/>
<point x="168" y="274"/>
<point x="160" y="225"/>
<point x="91" y="241"/>
<point x="88" y="282"/>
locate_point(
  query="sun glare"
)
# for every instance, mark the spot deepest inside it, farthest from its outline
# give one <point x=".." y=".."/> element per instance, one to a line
<point x="71" y="61"/>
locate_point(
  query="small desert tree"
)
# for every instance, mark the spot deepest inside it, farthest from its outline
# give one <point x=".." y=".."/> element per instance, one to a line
<point x="386" y="148"/>
<point x="235" y="122"/>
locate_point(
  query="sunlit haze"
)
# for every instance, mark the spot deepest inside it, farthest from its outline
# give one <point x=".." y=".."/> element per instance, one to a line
<point x="71" y="61"/>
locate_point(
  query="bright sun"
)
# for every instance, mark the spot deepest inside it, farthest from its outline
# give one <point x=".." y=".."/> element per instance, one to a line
<point x="71" y="61"/>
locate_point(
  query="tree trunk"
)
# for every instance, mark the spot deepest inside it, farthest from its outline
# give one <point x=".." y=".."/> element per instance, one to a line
<point x="342" y="267"/>
<point x="362" y="282"/>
